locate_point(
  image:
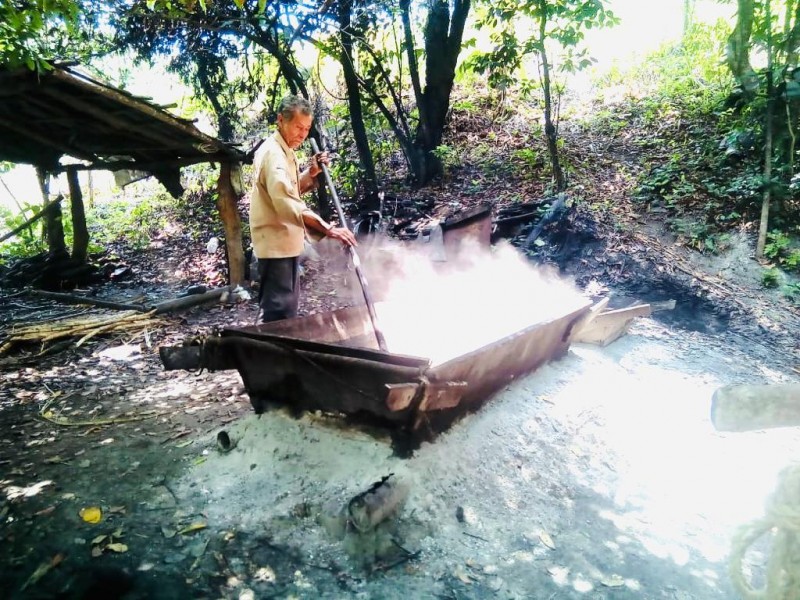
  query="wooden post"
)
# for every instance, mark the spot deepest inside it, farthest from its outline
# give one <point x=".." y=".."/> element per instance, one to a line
<point x="55" y="231"/>
<point x="80" y="233"/>
<point x="232" y="224"/>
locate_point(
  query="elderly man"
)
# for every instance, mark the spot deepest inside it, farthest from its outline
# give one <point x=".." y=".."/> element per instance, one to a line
<point x="279" y="219"/>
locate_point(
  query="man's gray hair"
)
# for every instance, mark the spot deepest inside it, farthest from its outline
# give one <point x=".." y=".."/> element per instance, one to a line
<point x="294" y="104"/>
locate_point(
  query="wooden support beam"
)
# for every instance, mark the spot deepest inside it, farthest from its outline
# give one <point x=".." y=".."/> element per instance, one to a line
<point x="116" y="165"/>
<point x="80" y="233"/>
<point x="232" y="224"/>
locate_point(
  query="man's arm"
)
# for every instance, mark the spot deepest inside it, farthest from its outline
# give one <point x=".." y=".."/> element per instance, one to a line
<point x="315" y="222"/>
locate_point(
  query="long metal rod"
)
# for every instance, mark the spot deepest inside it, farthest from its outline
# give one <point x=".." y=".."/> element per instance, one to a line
<point x="353" y="254"/>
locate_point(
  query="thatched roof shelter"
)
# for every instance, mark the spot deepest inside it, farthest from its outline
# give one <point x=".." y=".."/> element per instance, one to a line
<point x="62" y="112"/>
<point x="44" y="116"/>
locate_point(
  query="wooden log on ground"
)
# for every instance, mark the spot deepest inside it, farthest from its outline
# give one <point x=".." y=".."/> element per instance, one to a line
<point x="750" y="407"/>
<point x="188" y="301"/>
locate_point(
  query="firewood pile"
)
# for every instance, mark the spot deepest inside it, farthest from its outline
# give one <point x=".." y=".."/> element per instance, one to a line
<point x="78" y="328"/>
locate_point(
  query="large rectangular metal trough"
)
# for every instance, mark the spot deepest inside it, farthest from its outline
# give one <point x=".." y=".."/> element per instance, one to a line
<point x="331" y="362"/>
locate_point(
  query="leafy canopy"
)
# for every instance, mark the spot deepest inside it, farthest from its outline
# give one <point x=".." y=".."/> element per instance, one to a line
<point x="31" y="31"/>
<point x="523" y="28"/>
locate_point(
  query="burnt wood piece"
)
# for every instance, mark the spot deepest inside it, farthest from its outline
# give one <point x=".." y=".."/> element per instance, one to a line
<point x="175" y="358"/>
<point x="555" y="213"/>
<point x="188" y="301"/>
<point x="510" y="219"/>
<point x="160" y="308"/>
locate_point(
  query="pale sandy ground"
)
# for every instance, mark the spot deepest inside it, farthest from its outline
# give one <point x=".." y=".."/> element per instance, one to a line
<point x="598" y="476"/>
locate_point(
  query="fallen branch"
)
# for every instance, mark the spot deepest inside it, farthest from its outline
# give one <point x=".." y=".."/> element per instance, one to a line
<point x="34" y="218"/>
<point x="48" y="415"/>
<point x="75" y="299"/>
<point x="160" y="308"/>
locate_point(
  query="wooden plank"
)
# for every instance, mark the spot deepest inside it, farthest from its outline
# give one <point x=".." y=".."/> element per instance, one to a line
<point x="439" y="396"/>
<point x="608" y="326"/>
<point x="434" y="396"/>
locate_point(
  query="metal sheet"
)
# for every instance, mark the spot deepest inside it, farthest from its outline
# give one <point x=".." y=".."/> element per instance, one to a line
<point x="280" y="364"/>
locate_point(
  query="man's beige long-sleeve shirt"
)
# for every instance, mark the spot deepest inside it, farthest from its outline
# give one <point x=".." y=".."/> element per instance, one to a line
<point x="276" y="208"/>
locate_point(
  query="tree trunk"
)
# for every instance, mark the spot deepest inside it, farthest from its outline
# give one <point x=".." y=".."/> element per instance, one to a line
<point x="550" y="131"/>
<point x="366" y="161"/>
<point x="763" y="224"/>
<point x="80" y="233"/>
<point x="232" y="224"/>
<point x="688" y="16"/>
<point x="443" y="36"/>
<point x="737" y="50"/>
<point x="207" y="66"/>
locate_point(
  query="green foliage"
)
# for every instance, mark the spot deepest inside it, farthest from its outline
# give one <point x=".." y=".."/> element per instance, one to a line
<point x="700" y="236"/>
<point x="777" y="245"/>
<point x="28" y="241"/>
<point x="135" y="222"/>
<point x="346" y="169"/>
<point x="792" y="291"/>
<point x="35" y="32"/>
<point x="779" y="250"/>
<point x="770" y="278"/>
<point x="529" y="158"/>
<point x="688" y="74"/>
<point x="449" y="155"/>
<point x="26" y="26"/>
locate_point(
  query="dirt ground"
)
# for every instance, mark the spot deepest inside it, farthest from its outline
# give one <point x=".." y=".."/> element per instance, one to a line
<point x="597" y="476"/>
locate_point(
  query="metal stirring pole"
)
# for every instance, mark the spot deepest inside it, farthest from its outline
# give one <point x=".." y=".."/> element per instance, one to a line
<point x="353" y="254"/>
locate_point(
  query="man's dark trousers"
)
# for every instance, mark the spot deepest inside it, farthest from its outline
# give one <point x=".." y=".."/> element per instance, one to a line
<point x="279" y="295"/>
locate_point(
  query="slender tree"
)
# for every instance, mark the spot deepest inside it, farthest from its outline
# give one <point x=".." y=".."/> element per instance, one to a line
<point x="555" y="23"/>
